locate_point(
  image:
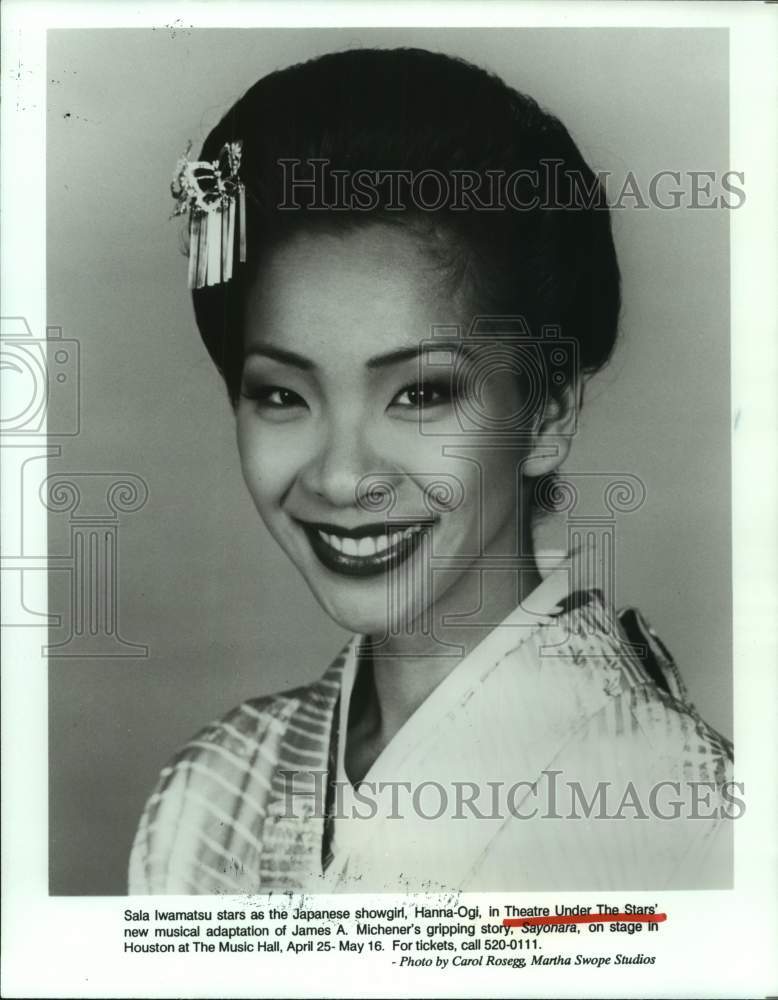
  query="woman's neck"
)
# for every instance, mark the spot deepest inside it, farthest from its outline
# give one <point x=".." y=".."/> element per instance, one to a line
<point x="408" y="667"/>
<point x="404" y="669"/>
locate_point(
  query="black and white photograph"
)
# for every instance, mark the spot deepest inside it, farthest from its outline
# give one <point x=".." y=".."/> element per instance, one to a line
<point x="408" y="275"/>
<point x="383" y="430"/>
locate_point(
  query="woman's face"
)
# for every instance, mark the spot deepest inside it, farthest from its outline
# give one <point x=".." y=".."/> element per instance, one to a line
<point x="349" y="435"/>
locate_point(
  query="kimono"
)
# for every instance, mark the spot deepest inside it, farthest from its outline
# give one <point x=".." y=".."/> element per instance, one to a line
<point x="562" y="753"/>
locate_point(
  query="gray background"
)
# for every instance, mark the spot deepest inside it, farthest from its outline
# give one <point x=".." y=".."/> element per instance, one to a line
<point x="201" y="583"/>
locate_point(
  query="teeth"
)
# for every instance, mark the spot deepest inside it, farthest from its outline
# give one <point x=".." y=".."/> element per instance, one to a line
<point x="370" y="545"/>
<point x="332" y="540"/>
<point x="382" y="543"/>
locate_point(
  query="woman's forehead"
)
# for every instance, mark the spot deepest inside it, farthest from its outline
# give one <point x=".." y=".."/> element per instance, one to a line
<point x="359" y="293"/>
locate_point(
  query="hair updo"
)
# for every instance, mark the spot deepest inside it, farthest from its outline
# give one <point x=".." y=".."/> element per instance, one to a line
<point x="553" y="262"/>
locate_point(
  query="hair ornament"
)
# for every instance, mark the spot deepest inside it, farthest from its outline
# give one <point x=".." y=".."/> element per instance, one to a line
<point x="214" y="196"/>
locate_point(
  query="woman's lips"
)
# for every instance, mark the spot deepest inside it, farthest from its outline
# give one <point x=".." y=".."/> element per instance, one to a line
<point x="365" y="551"/>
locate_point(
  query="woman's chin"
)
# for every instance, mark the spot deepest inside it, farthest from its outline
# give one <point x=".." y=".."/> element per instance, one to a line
<point x="366" y="604"/>
<point x="363" y="622"/>
<point x="363" y="617"/>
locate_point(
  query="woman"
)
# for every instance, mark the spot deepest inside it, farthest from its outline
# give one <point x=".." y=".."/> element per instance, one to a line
<point x="425" y="274"/>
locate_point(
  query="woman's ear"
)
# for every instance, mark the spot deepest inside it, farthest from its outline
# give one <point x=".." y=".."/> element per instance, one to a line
<point x="554" y="430"/>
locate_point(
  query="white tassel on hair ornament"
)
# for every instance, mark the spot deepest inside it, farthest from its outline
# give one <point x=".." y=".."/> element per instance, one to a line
<point x="215" y="198"/>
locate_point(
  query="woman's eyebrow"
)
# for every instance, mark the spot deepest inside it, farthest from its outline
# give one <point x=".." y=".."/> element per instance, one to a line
<point x="279" y="354"/>
<point x="380" y="361"/>
<point x="394" y="357"/>
<point x="299" y="361"/>
<point x="451" y="350"/>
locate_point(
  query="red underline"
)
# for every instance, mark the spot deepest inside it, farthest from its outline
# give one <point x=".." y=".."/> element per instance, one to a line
<point x="583" y="918"/>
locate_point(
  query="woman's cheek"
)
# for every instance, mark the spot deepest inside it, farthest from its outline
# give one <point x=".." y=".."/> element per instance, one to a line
<point x="270" y="458"/>
<point x="419" y="443"/>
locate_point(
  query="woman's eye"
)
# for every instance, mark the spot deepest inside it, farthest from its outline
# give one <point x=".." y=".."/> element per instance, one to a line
<point x="422" y="394"/>
<point x="274" y="397"/>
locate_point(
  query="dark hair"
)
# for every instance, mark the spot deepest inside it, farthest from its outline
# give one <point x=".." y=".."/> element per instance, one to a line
<point x="417" y="111"/>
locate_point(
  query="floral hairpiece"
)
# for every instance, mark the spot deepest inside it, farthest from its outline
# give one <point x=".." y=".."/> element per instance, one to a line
<point x="215" y="198"/>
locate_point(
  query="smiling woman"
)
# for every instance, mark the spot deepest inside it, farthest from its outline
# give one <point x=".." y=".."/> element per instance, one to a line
<point x="405" y="374"/>
<point x="325" y="416"/>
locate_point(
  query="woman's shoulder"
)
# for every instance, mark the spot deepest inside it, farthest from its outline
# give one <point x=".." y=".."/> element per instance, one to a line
<point x="244" y="733"/>
<point x="682" y="745"/>
<point x="655" y="710"/>
<point x="647" y="703"/>
<point x="248" y="723"/>
<point x="211" y="799"/>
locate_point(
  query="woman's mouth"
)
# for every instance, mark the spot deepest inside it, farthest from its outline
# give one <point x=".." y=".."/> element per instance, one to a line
<point x="364" y="551"/>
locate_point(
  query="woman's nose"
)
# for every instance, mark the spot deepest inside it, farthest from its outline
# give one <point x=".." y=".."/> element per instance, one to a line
<point x="343" y="460"/>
